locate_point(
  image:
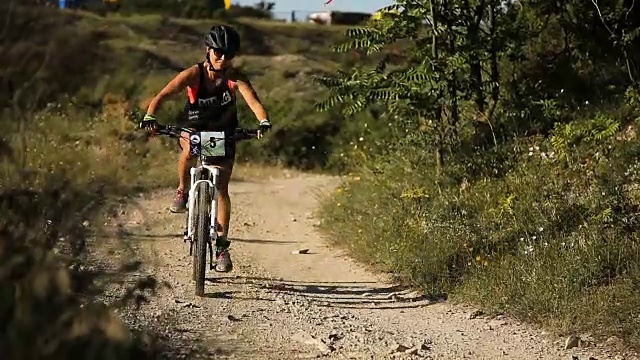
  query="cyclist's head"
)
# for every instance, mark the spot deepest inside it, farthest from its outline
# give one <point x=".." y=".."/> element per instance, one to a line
<point x="222" y="43"/>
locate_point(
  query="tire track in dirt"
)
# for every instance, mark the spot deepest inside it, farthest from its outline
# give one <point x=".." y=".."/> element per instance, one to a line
<point x="279" y="305"/>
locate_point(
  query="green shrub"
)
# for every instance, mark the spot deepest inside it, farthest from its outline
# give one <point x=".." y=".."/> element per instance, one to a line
<point x="56" y="173"/>
<point x="550" y="241"/>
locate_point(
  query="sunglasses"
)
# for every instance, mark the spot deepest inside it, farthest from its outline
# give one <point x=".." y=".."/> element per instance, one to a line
<point x="219" y="53"/>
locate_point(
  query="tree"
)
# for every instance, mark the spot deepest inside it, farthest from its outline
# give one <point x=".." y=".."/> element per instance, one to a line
<point x="452" y="51"/>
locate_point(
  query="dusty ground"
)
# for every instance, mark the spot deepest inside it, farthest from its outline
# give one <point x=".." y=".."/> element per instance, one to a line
<point x="280" y="305"/>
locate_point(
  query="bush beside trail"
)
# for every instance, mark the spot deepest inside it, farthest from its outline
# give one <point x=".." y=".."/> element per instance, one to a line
<point x="507" y="176"/>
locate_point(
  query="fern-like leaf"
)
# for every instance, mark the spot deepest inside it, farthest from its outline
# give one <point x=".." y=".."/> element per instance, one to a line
<point x="359" y="33"/>
<point x="329" y="103"/>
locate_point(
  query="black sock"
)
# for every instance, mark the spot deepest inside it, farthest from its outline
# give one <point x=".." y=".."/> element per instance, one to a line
<point x="222" y="243"/>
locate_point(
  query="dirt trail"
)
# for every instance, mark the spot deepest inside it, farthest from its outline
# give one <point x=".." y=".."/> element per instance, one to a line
<point x="279" y="305"/>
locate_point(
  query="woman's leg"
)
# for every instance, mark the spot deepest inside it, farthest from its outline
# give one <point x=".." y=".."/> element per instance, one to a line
<point x="223" y="258"/>
<point x="224" y="201"/>
<point x="179" y="203"/>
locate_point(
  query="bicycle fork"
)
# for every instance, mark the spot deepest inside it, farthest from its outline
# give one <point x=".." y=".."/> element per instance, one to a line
<point x="188" y="230"/>
<point x="213" y="227"/>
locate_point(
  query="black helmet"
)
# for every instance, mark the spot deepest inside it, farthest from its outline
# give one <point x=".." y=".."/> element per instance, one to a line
<point x="223" y="38"/>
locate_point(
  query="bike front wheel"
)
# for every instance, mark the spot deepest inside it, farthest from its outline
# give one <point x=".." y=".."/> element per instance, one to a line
<point x="203" y="203"/>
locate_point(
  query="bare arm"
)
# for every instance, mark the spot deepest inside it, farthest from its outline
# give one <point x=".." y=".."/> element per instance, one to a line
<point x="251" y="97"/>
<point x="188" y="77"/>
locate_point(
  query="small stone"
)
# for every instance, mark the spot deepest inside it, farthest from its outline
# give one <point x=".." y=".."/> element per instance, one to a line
<point x="496" y="323"/>
<point x="334" y="336"/>
<point x="300" y="251"/>
<point x="571" y="342"/>
<point x="232" y="318"/>
<point x="306" y="338"/>
<point x="475" y="314"/>
<point x="412" y="351"/>
<point x="396" y="348"/>
<point x="85" y="223"/>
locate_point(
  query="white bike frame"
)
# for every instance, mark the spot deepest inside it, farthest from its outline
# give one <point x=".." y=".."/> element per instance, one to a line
<point x="214" y="174"/>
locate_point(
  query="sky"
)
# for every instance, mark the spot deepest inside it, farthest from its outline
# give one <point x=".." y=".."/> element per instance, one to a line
<point x="369" y="6"/>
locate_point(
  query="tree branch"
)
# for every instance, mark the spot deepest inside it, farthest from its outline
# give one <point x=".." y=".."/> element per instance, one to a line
<point x="595" y="3"/>
<point x="614" y="35"/>
<point x="626" y="16"/>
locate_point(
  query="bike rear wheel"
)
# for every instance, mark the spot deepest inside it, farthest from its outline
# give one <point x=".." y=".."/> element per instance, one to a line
<point x="203" y="218"/>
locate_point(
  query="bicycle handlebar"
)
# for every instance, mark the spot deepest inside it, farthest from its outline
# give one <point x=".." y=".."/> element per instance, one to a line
<point x="175" y="131"/>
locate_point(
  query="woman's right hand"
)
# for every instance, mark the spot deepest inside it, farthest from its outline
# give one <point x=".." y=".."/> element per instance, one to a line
<point x="148" y="122"/>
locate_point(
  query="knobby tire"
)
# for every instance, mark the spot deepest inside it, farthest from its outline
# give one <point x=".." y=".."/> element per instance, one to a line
<point x="202" y="235"/>
<point x="192" y="243"/>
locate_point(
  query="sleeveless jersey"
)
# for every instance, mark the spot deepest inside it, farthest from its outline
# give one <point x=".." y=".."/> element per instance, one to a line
<point x="211" y="109"/>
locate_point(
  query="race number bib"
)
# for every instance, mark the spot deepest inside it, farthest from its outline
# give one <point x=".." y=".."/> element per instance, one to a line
<point x="212" y="143"/>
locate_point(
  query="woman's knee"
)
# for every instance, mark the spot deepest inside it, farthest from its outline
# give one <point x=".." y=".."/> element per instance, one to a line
<point x="185" y="152"/>
<point x="223" y="181"/>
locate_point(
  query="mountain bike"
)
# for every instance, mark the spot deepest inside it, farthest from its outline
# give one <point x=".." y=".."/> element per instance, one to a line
<point x="201" y="228"/>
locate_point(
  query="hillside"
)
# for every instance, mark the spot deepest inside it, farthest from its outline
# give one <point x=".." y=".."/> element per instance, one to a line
<point x="119" y="62"/>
